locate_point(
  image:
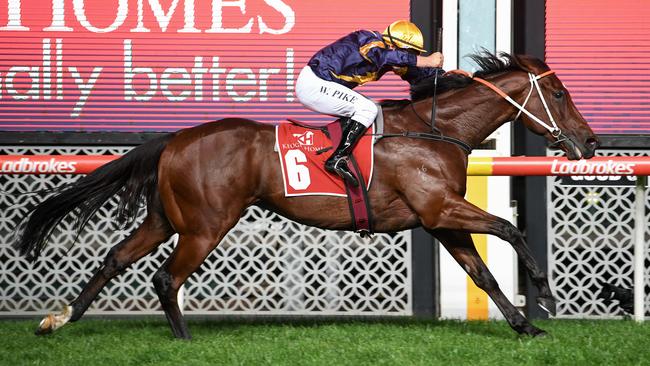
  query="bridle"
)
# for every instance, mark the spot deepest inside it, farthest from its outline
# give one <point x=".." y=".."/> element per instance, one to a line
<point x="555" y="131"/>
<point x="436" y="134"/>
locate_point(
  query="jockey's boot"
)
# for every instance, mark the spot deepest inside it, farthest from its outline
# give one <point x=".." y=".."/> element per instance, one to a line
<point x="338" y="162"/>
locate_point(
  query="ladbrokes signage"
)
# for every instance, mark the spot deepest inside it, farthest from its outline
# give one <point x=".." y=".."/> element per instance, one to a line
<point x="595" y="173"/>
<point x="28" y="165"/>
<point x="137" y="65"/>
<point x="589" y="167"/>
<point x="601" y="173"/>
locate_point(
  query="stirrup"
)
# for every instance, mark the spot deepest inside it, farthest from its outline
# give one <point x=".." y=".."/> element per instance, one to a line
<point x="344" y="172"/>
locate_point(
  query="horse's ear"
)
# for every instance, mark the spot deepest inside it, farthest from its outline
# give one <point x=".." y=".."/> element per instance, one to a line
<point x="530" y="64"/>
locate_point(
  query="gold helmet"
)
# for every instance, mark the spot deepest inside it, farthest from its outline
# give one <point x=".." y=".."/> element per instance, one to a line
<point x="404" y="34"/>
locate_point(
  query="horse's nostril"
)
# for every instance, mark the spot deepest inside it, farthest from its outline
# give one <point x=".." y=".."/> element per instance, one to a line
<point x="592" y="143"/>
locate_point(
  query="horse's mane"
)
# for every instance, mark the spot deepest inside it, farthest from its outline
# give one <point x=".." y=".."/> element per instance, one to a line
<point x="488" y="63"/>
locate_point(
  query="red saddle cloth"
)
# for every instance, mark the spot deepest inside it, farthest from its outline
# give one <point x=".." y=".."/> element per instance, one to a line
<point x="303" y="169"/>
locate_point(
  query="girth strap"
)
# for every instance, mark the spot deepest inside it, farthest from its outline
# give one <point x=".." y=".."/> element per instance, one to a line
<point x="358" y="201"/>
<point x="429" y="136"/>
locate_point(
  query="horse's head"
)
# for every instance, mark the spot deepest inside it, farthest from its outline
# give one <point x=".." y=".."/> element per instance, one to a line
<point x="552" y="111"/>
<point x="539" y="98"/>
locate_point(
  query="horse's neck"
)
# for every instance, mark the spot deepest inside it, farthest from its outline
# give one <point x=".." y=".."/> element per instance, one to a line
<point x="470" y="123"/>
<point x="473" y="114"/>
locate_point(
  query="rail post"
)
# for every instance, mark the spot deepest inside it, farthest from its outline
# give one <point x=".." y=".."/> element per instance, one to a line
<point x="639" y="248"/>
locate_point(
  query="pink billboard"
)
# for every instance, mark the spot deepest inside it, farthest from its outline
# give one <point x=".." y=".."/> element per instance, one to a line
<point x="601" y="51"/>
<point x="162" y="65"/>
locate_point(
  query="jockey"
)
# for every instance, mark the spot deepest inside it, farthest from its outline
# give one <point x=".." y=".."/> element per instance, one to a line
<point x="325" y="84"/>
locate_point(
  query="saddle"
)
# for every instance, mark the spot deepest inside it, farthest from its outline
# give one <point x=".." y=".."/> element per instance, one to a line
<point x="358" y="202"/>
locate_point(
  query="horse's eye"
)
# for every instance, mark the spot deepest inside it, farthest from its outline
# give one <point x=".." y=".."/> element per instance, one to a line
<point x="558" y="94"/>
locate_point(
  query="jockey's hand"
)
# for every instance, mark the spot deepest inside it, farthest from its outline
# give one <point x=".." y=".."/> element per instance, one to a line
<point x="433" y="60"/>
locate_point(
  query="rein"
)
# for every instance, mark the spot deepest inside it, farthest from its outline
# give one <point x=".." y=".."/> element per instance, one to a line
<point x="428" y="136"/>
<point x="437" y="135"/>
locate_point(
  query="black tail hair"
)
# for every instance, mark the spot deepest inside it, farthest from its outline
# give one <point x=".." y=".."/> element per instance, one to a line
<point x="133" y="177"/>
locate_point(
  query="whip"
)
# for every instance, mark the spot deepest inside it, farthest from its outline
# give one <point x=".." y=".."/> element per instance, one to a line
<point x="435" y="81"/>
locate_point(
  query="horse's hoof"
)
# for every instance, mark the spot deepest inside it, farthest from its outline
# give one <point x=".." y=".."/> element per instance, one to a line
<point x="46" y="325"/>
<point x="547" y="303"/>
<point x="53" y="322"/>
<point x="534" y="332"/>
<point x="538" y="333"/>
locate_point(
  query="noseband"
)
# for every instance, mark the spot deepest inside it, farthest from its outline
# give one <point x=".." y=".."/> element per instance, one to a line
<point x="534" y="85"/>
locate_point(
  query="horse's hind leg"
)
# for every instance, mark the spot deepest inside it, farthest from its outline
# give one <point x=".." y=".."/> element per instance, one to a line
<point x="190" y="252"/>
<point x="459" y="214"/>
<point x="461" y="247"/>
<point x="153" y="231"/>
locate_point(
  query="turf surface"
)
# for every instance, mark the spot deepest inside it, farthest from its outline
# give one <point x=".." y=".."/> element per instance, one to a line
<point x="390" y="342"/>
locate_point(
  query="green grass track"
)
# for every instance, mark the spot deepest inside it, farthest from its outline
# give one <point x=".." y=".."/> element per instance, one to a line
<point x="92" y="342"/>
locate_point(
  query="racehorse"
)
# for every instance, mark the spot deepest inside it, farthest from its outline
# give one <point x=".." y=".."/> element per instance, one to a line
<point x="197" y="182"/>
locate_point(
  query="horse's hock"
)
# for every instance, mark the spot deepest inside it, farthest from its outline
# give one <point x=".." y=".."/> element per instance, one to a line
<point x="267" y="265"/>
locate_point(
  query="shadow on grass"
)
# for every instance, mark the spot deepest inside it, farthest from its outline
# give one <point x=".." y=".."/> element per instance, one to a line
<point x="202" y="326"/>
<point x="487" y="328"/>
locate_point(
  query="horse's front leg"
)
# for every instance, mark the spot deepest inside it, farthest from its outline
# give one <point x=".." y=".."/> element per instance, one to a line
<point x="461" y="247"/>
<point x="456" y="213"/>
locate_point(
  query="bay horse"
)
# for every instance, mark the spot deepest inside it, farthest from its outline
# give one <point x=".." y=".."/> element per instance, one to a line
<point x="197" y="182"/>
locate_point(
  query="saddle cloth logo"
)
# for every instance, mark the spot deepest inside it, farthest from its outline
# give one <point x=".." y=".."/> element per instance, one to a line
<point x="303" y="169"/>
<point x="306" y="138"/>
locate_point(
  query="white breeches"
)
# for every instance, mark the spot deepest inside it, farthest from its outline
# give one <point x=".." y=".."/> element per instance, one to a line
<point x="328" y="97"/>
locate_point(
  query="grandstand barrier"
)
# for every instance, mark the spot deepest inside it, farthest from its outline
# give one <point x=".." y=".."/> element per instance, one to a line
<point x="638" y="166"/>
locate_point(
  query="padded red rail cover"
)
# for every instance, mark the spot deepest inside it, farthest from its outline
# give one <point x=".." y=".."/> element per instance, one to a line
<point x="514" y="166"/>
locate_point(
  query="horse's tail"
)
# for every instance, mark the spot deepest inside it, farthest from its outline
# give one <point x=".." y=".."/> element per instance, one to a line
<point x="133" y="177"/>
